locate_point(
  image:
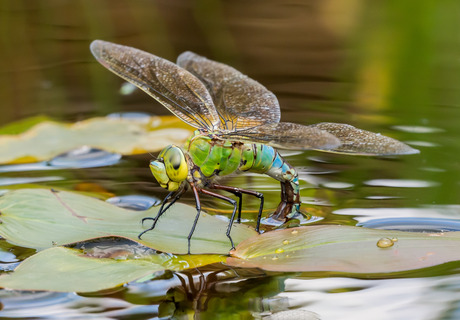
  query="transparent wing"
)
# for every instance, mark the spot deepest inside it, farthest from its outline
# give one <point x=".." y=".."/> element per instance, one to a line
<point x="241" y="102"/>
<point x="285" y="135"/>
<point x="326" y="136"/>
<point x="362" y="142"/>
<point x="177" y="89"/>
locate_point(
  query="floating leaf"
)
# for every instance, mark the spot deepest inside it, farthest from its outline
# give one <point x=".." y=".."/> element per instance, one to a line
<point x="346" y="249"/>
<point x="68" y="270"/>
<point x="114" y="134"/>
<point x="41" y="218"/>
<point x="23" y="124"/>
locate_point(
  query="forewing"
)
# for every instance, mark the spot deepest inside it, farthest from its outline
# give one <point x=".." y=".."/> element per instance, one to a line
<point x="285" y="135"/>
<point x="362" y="142"/>
<point x="177" y="89"/>
<point x="241" y="102"/>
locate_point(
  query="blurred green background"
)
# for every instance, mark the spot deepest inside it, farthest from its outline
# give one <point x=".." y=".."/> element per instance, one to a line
<point x="376" y="65"/>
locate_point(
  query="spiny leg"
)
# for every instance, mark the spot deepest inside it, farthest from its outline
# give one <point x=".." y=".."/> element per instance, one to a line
<point x="195" y="190"/>
<point x="232" y="202"/>
<point x="161" y="211"/>
<point x="238" y="192"/>
<point x="198" y="211"/>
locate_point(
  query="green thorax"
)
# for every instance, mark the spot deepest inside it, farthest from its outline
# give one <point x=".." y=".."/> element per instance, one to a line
<point x="221" y="157"/>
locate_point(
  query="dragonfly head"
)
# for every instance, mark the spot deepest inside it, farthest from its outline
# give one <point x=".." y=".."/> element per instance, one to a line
<point x="170" y="169"/>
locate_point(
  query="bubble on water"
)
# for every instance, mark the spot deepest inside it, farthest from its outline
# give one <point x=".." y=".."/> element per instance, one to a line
<point x="85" y="157"/>
<point x="385" y="243"/>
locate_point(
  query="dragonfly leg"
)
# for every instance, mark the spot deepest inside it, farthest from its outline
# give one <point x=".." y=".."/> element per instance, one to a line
<point x="161" y="211"/>
<point x="238" y="192"/>
<point x="198" y="211"/>
<point x="232" y="202"/>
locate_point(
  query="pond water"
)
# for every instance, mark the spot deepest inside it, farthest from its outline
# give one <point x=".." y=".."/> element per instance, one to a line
<point x="387" y="67"/>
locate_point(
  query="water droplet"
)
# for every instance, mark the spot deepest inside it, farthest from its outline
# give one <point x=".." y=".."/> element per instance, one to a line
<point x="285" y="242"/>
<point x="385" y="243"/>
<point x="394" y="239"/>
<point x="275" y="258"/>
<point x="294" y="231"/>
<point x="279" y="250"/>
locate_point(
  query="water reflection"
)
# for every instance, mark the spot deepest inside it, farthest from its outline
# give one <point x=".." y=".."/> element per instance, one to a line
<point x="364" y="215"/>
<point x="85" y="157"/>
<point x="134" y="202"/>
<point x="429" y="225"/>
<point x="418" y="298"/>
<point x="401" y="183"/>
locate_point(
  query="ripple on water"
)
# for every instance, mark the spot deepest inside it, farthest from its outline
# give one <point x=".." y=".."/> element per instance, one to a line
<point x="12" y="181"/>
<point x="338" y="185"/>
<point x="134" y="202"/>
<point x="413" y="224"/>
<point x="85" y="157"/>
<point x="418" y="129"/>
<point x="56" y="305"/>
<point x="401" y="183"/>
<point x="363" y="215"/>
<point x="142" y="117"/>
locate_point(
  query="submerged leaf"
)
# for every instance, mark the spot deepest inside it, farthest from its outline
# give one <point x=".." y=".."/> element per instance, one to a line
<point x="68" y="270"/>
<point x="119" y="135"/>
<point x="346" y="249"/>
<point x="40" y="218"/>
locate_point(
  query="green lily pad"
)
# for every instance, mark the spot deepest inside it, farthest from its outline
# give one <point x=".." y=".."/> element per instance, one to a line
<point x="42" y="218"/>
<point x="68" y="270"/>
<point x="125" y="136"/>
<point x="346" y="249"/>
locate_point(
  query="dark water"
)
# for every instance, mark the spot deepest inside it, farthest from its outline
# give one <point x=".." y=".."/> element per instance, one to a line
<point x="390" y="67"/>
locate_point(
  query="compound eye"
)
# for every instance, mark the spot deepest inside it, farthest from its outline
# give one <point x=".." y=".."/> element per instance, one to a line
<point x="176" y="165"/>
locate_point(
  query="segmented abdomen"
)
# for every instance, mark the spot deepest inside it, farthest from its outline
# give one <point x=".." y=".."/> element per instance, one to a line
<point x="222" y="157"/>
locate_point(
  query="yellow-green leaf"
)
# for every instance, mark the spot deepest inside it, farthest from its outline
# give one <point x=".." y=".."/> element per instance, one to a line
<point x="125" y="136"/>
<point x="68" y="270"/>
<point x="346" y="249"/>
<point x="42" y="218"/>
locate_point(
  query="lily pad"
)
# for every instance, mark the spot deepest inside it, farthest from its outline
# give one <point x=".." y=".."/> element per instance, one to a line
<point x="42" y="218"/>
<point x="68" y="270"/>
<point x="346" y="249"/>
<point x="125" y="136"/>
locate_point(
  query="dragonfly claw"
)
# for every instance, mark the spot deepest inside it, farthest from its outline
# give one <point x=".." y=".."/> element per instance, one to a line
<point x="147" y="218"/>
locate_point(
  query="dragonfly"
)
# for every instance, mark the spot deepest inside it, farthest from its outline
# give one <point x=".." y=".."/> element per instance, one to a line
<point x="238" y="130"/>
